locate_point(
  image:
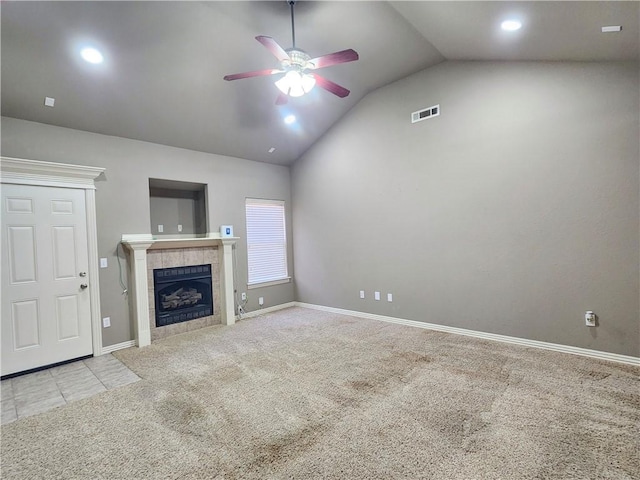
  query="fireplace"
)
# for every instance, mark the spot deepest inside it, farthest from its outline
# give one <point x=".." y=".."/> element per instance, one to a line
<point x="148" y="253"/>
<point x="182" y="294"/>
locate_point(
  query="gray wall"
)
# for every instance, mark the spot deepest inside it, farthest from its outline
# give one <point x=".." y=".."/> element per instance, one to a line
<point x="171" y="208"/>
<point x="513" y="212"/>
<point x="122" y="197"/>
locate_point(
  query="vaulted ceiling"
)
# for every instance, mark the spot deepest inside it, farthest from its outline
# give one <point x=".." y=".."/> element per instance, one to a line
<point x="161" y="80"/>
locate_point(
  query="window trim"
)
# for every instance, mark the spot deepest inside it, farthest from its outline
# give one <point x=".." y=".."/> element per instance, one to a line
<point x="269" y="283"/>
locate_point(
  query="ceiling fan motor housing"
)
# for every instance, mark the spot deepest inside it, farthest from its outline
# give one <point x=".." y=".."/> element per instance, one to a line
<point x="298" y="60"/>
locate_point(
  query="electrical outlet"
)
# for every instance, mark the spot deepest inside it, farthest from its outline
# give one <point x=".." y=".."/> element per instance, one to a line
<point x="106" y="322"/>
<point x="361" y="293"/>
<point x="261" y="301"/>
<point x="179" y="228"/>
<point x="590" y="319"/>
<point x="376" y="295"/>
<point x="160" y="228"/>
<point x="243" y="295"/>
<point x="389" y="297"/>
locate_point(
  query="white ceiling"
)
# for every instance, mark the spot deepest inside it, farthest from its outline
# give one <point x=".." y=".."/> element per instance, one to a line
<point x="551" y="31"/>
<point x="164" y="61"/>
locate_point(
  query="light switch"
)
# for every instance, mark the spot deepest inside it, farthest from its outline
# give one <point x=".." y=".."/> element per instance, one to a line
<point x="103" y="263"/>
<point x="376" y="295"/>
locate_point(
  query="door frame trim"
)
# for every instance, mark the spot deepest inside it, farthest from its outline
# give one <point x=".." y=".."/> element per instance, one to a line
<point x="22" y="171"/>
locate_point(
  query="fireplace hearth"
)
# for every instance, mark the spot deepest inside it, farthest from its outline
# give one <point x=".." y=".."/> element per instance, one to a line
<point x="182" y="294"/>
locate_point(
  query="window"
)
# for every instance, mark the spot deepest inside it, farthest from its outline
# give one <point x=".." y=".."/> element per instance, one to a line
<point x="266" y="242"/>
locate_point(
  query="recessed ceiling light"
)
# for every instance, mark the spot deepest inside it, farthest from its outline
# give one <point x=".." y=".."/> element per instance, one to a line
<point x="289" y="119"/>
<point x="511" y="25"/>
<point x="271" y="150"/>
<point x="91" y="55"/>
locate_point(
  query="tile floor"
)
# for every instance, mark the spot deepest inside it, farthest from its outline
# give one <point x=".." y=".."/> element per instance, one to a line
<point x="41" y="391"/>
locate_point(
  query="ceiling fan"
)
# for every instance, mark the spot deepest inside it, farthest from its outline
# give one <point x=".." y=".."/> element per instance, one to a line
<point x="298" y="67"/>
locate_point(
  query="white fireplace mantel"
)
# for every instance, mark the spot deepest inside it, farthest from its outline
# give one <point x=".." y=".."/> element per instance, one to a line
<point x="138" y="244"/>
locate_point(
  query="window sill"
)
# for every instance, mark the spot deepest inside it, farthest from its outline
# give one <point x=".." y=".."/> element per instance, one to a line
<point x="268" y="284"/>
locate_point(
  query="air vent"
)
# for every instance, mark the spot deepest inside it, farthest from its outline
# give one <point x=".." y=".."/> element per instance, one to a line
<point x="425" y="113"/>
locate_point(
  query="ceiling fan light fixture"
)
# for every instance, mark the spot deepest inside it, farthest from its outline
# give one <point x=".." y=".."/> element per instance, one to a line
<point x="295" y="84"/>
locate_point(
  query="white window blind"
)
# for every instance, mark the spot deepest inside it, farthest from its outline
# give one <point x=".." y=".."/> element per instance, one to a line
<point x="266" y="241"/>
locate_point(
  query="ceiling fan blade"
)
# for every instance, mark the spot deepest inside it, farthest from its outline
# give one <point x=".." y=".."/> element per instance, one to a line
<point x="282" y="99"/>
<point x="330" y="86"/>
<point x="255" y="73"/>
<point x="273" y="47"/>
<point x="343" y="56"/>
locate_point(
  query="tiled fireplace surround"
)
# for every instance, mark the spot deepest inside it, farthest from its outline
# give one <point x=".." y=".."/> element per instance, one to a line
<point x="182" y="257"/>
<point x="148" y="253"/>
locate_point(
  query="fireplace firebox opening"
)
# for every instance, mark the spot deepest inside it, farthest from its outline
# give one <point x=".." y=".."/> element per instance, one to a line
<point x="182" y="294"/>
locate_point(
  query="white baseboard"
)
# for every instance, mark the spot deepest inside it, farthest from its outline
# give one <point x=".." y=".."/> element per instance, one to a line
<point x="117" y="346"/>
<point x="262" y="311"/>
<point x="612" y="357"/>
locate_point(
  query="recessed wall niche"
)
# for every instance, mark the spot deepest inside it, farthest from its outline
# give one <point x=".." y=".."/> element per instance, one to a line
<point x="177" y="207"/>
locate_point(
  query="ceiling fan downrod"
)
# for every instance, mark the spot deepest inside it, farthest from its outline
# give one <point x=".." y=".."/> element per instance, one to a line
<point x="293" y="26"/>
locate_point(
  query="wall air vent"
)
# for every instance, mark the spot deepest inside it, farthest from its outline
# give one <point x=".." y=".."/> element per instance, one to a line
<point x="425" y="113"/>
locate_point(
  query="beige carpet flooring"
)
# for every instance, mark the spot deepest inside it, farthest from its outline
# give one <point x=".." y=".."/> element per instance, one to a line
<point x="305" y="394"/>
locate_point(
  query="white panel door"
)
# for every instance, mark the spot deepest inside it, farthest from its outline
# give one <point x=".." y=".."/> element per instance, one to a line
<point x="46" y="311"/>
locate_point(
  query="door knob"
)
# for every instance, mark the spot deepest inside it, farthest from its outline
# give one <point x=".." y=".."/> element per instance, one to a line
<point x="83" y="286"/>
<point x="83" y="274"/>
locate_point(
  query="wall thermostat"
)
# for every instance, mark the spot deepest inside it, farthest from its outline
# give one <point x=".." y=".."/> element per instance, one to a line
<point x="226" y="231"/>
